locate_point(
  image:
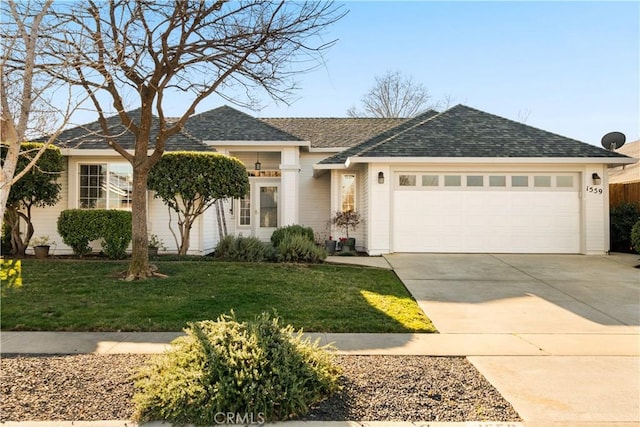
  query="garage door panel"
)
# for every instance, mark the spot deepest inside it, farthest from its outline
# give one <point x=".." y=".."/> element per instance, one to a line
<point x="486" y="221"/>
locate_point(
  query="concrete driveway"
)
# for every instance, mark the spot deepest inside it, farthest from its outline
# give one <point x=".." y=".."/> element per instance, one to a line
<point x="582" y="311"/>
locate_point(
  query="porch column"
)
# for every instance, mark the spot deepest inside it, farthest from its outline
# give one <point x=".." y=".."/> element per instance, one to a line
<point x="289" y="199"/>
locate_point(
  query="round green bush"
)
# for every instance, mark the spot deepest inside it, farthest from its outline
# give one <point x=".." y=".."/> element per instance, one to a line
<point x="291" y="230"/>
<point x="257" y="370"/>
<point x="635" y="237"/>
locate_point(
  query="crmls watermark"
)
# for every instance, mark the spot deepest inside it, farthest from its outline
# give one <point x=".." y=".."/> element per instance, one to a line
<point x="248" y="418"/>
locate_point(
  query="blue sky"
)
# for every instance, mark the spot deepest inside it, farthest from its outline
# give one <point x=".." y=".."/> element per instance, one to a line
<point x="572" y="68"/>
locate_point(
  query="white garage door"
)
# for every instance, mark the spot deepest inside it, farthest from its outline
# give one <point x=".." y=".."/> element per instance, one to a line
<point x="486" y="212"/>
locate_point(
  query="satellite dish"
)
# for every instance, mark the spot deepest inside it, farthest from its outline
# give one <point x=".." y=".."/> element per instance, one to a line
<point x="613" y="140"/>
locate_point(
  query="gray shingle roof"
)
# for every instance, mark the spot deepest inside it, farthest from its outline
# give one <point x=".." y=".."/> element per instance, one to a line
<point x="381" y="137"/>
<point x="89" y="136"/>
<point x="228" y="124"/>
<point x="333" y="132"/>
<point x="466" y="132"/>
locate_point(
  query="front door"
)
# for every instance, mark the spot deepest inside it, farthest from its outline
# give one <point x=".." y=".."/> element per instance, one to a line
<point x="266" y="210"/>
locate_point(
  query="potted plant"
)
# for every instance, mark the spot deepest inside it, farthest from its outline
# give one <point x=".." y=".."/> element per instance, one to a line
<point x="154" y="244"/>
<point x="41" y="246"/>
<point x="347" y="220"/>
<point x="330" y="245"/>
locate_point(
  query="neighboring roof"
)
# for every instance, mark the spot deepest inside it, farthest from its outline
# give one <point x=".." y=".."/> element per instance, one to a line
<point x="90" y="136"/>
<point x="626" y="173"/>
<point x="332" y="132"/>
<point x="228" y="124"/>
<point x="466" y="132"/>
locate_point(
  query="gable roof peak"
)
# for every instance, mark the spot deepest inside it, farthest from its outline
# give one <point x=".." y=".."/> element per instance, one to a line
<point x="225" y="123"/>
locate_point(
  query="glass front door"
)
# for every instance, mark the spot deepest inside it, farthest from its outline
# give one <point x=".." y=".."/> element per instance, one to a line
<point x="267" y="210"/>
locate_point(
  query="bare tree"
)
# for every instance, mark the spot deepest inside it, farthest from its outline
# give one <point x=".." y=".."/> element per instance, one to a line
<point x="396" y="95"/>
<point x="153" y="51"/>
<point x="26" y="92"/>
<point x="393" y="95"/>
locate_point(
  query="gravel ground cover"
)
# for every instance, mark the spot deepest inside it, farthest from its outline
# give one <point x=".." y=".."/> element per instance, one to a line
<point x="375" y="388"/>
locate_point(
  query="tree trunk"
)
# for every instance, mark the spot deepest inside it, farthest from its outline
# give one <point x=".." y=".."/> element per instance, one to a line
<point x="139" y="267"/>
<point x="185" y="230"/>
<point x="19" y="244"/>
<point x="9" y="138"/>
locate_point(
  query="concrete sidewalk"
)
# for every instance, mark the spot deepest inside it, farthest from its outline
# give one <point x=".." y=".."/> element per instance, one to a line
<point x="624" y="345"/>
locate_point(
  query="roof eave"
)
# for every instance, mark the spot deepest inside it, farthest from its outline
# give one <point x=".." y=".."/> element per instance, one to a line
<point x="326" y="149"/>
<point x="328" y="166"/>
<point x="501" y="160"/>
<point x="257" y="143"/>
<point x="92" y="152"/>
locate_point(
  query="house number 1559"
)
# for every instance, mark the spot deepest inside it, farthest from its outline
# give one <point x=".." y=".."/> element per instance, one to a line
<point x="592" y="189"/>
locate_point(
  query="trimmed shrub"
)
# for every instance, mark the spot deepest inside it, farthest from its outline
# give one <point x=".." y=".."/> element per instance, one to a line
<point x="622" y="219"/>
<point x="116" y="233"/>
<point x="298" y="230"/>
<point x="256" y="369"/>
<point x="297" y="248"/>
<point x="244" y="249"/>
<point x="78" y="227"/>
<point x="635" y="237"/>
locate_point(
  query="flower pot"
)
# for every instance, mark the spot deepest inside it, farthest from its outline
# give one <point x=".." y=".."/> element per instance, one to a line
<point x="351" y="241"/>
<point x="330" y="246"/>
<point x="42" y="251"/>
<point x="152" y="251"/>
<point x="348" y="245"/>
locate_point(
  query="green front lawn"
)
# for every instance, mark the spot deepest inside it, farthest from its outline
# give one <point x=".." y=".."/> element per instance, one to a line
<point x="62" y="295"/>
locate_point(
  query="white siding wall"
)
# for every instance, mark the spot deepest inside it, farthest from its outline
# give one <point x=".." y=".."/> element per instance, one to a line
<point x="158" y="223"/>
<point x="596" y="211"/>
<point x="45" y="219"/>
<point x="315" y="195"/>
<point x="379" y="218"/>
<point x="209" y="224"/>
<point x="364" y="206"/>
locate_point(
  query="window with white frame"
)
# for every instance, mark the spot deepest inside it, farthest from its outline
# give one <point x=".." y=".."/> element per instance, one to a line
<point x="244" y="210"/>
<point x="348" y="193"/>
<point x="105" y="186"/>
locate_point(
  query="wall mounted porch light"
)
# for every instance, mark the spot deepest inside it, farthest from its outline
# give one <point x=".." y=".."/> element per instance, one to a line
<point x="596" y="178"/>
<point x="258" y="165"/>
<point x="380" y="177"/>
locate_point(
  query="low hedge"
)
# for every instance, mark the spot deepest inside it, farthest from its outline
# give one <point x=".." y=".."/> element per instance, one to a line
<point x="622" y="218"/>
<point x="635" y="237"/>
<point x="78" y="227"/>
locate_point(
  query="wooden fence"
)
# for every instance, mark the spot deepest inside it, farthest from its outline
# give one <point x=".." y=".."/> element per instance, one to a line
<point x="628" y="192"/>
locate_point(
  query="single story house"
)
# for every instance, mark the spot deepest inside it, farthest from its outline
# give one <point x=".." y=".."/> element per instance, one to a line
<point x="458" y="181"/>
